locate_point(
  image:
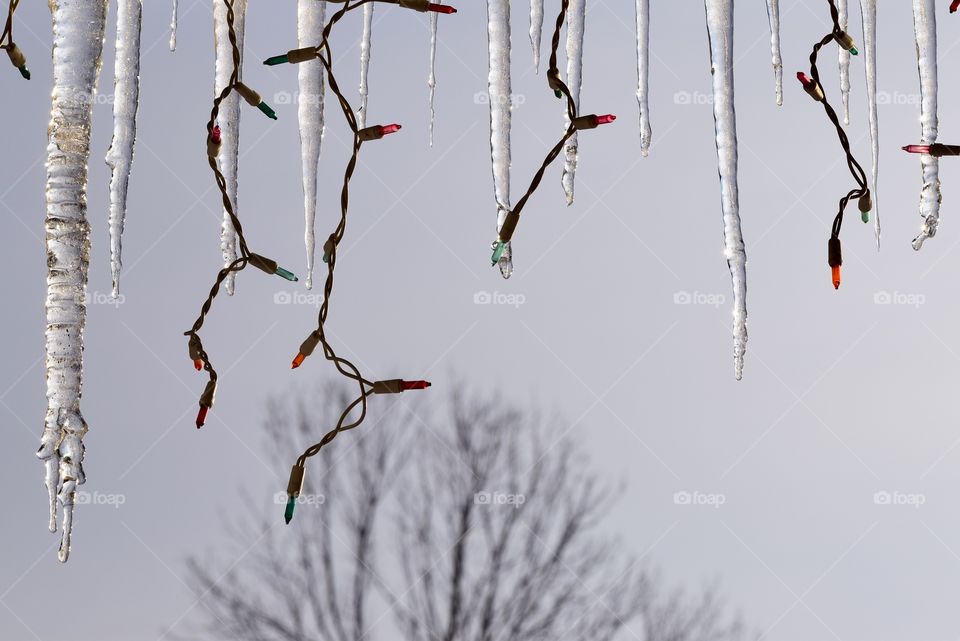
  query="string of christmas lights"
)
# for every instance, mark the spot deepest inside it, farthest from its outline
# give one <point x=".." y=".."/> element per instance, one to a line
<point x="318" y="337"/>
<point x="814" y="88"/>
<point x="936" y="149"/>
<point x="577" y="123"/>
<point x="195" y="349"/>
<point x="13" y="51"/>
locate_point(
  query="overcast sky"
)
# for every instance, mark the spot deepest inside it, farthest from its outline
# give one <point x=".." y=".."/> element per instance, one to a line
<point x="845" y="393"/>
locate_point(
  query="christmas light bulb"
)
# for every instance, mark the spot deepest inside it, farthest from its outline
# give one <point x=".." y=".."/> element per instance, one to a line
<point x="294" y="487"/>
<point x="917" y="149"/>
<point x="288" y="512"/>
<point x="18" y="60"/>
<point x="201" y="417"/>
<point x="294" y="56"/>
<point x="936" y="150"/>
<point x="954" y="6"/>
<point x="592" y="121"/>
<point x="270" y="266"/>
<point x="498" y="248"/>
<point x="376" y="132"/>
<point x="441" y="8"/>
<point x="214" y="140"/>
<point x="283" y="273"/>
<point x="846" y="41"/>
<point x="397" y="385"/>
<point x="811" y="87"/>
<point x="306" y="348"/>
<point x="206" y="401"/>
<point x="553" y="81"/>
<point x="253" y="99"/>
<point x="409" y="385"/>
<point x="835" y="260"/>
<point x="865" y="205"/>
<point x="425" y="5"/>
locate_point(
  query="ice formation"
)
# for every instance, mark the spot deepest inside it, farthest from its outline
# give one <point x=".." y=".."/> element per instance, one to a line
<point x="312" y="84"/>
<point x="720" y="31"/>
<point x="844" y="61"/>
<point x="576" y="17"/>
<point x="643" y="73"/>
<point x="173" y="26"/>
<point x="925" y="27"/>
<point x="536" y="30"/>
<point x="126" y="99"/>
<point x="500" y="101"/>
<point x="773" y="16"/>
<point x="365" y="62"/>
<point x="78" y="30"/>
<point x="432" y="76"/>
<point x="868" y="9"/>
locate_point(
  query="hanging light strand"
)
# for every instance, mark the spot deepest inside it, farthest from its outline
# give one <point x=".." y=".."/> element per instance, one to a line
<point x="13" y="51"/>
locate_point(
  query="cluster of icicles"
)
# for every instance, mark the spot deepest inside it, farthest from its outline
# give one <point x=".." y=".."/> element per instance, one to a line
<point x="78" y="29"/>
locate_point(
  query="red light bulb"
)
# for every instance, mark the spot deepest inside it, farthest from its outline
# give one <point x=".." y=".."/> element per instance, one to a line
<point x="918" y="149"/>
<point x="954" y="6"/>
<point x="442" y="8"/>
<point x="804" y="80"/>
<point x="409" y="385"/>
<point x="605" y="119"/>
<point x="215" y="134"/>
<point x="389" y="129"/>
<point x="197" y="364"/>
<point x="201" y="416"/>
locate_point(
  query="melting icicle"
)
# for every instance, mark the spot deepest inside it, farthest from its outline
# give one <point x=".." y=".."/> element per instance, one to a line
<point x="173" y="26"/>
<point x="844" y="63"/>
<point x="720" y="30"/>
<point x="643" y="73"/>
<point x="310" y="23"/>
<point x="78" y="29"/>
<point x="229" y="121"/>
<point x="499" y="88"/>
<point x="576" y="15"/>
<point x="925" y="27"/>
<point x="126" y="89"/>
<point x="536" y="30"/>
<point x="773" y="16"/>
<point x="365" y="62"/>
<point x="868" y="9"/>
<point x="432" y="77"/>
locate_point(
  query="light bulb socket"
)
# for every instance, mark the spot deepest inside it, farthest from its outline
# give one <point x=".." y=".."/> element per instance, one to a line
<point x="865" y="204"/>
<point x="834" y="254"/>
<point x="209" y="394"/>
<point x="846" y="41"/>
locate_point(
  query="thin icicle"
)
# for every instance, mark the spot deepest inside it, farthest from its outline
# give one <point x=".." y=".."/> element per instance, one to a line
<point x="126" y="99"/>
<point x="844" y="63"/>
<point x="643" y="73"/>
<point x="536" y="30"/>
<point x="720" y="30"/>
<point x="432" y="77"/>
<point x="576" y="16"/>
<point x="173" y="26"/>
<point x="773" y="16"/>
<point x="229" y="121"/>
<point x="310" y="23"/>
<point x="365" y="62"/>
<point x="499" y="98"/>
<point x="925" y="28"/>
<point x="78" y="29"/>
<point x="868" y="9"/>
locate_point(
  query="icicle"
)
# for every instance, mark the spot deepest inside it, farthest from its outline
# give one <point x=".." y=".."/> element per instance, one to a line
<point x="365" y="62"/>
<point x="310" y="23"/>
<point x="773" y="16"/>
<point x="576" y="15"/>
<point x="643" y="73"/>
<point x="229" y="121"/>
<point x="432" y="77"/>
<point x="868" y="9"/>
<point x="173" y="26"/>
<point x="499" y="98"/>
<point x="720" y="30"/>
<point x="126" y="89"/>
<point x="536" y="30"/>
<point x="78" y="29"/>
<point x="925" y="27"/>
<point x="844" y="63"/>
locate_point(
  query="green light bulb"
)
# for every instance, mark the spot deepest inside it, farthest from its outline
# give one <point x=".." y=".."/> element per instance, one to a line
<point x="276" y="60"/>
<point x="865" y="216"/>
<point x="288" y="513"/>
<point x="558" y="93"/>
<point x="498" y="249"/>
<point x="265" y="108"/>
<point x="854" y="51"/>
<point x="283" y="273"/>
<point x="24" y="72"/>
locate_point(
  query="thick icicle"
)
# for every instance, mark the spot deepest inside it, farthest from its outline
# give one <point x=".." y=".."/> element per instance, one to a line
<point x="868" y="9"/>
<point x="229" y="121"/>
<point x="499" y="98"/>
<point x="536" y="30"/>
<point x="773" y="16"/>
<point x="173" y="26"/>
<point x="432" y="77"/>
<point x="576" y="16"/>
<point x="844" y="60"/>
<point x="643" y="73"/>
<point x="365" y="62"/>
<point x="720" y="30"/>
<point x="925" y="27"/>
<point x="126" y="99"/>
<point x="78" y="29"/>
<point x="310" y="23"/>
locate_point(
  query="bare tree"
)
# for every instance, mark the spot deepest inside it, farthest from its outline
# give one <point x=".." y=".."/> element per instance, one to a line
<point x="470" y="525"/>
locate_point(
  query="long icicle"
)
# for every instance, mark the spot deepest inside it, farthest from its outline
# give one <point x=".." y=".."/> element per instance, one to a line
<point x="925" y="28"/>
<point x="576" y="18"/>
<point x="229" y="122"/>
<point x="844" y="62"/>
<point x="173" y="26"/>
<point x="126" y="100"/>
<point x="432" y="76"/>
<point x="536" y="30"/>
<point x="643" y="74"/>
<point x="312" y="85"/>
<point x="868" y="9"/>
<point x="720" y="30"/>
<point x="499" y="98"/>
<point x="78" y="30"/>
<point x="773" y="17"/>
<point x="365" y="42"/>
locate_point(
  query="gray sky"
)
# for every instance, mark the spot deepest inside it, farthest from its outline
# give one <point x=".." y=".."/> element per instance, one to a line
<point x="842" y="397"/>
